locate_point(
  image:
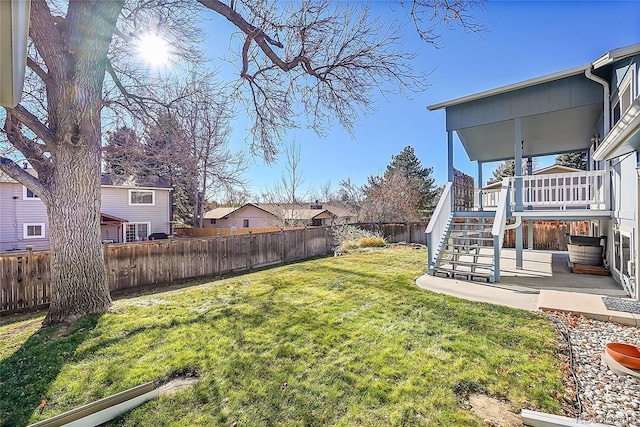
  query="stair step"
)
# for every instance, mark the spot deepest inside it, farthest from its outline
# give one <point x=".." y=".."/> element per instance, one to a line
<point x="466" y="246"/>
<point x="457" y="273"/>
<point x="468" y="254"/>
<point x="468" y="263"/>
<point x="477" y="221"/>
<point x="471" y="226"/>
<point x="457" y="233"/>
<point x="471" y="238"/>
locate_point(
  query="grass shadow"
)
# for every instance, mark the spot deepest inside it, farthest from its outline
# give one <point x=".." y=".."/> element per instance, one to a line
<point x="25" y="376"/>
<point x="201" y="280"/>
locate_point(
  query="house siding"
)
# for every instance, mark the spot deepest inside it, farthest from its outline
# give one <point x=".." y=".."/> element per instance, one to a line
<point x="257" y="219"/>
<point x="115" y="201"/>
<point x="557" y="95"/>
<point x="15" y="213"/>
<point x="625" y="195"/>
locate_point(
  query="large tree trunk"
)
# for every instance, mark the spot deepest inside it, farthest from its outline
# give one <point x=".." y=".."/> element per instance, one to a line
<point x="72" y="197"/>
<point x="77" y="267"/>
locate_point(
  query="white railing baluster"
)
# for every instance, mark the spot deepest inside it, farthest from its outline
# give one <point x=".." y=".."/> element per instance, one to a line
<point x="561" y="190"/>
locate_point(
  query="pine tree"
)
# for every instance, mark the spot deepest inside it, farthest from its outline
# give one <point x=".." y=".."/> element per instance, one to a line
<point x="408" y="164"/>
<point x="573" y="160"/>
<point x="122" y="153"/>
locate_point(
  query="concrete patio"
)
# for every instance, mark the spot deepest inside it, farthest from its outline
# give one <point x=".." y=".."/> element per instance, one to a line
<point x="545" y="282"/>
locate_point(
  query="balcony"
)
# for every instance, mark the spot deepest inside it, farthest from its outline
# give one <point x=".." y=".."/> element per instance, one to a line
<point x="559" y="191"/>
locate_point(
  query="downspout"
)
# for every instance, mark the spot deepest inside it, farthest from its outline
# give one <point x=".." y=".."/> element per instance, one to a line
<point x="607" y="96"/>
<point x="607" y="127"/>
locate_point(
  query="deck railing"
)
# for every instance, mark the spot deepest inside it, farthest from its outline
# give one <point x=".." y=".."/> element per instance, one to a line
<point x="438" y="224"/>
<point x="556" y="191"/>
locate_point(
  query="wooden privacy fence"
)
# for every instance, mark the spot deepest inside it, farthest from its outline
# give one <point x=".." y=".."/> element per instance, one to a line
<point x="24" y="276"/>
<point x="548" y="235"/>
<point x="409" y="232"/>
<point x="211" y="232"/>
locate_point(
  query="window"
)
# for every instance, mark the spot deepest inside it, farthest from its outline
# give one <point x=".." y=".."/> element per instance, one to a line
<point x="28" y="194"/>
<point x="621" y="100"/>
<point x="33" y="231"/>
<point x="245" y="223"/>
<point x="136" y="231"/>
<point x="212" y="221"/>
<point x="141" y="197"/>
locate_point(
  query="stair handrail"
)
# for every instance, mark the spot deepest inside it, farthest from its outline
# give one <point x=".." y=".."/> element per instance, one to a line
<point x="499" y="225"/>
<point x="438" y="223"/>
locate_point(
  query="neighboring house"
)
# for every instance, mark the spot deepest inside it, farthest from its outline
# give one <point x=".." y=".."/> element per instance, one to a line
<point x="130" y="211"/>
<point x="594" y="108"/>
<point x="266" y="215"/>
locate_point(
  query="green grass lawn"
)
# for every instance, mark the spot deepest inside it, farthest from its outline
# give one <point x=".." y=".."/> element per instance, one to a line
<point x="332" y="341"/>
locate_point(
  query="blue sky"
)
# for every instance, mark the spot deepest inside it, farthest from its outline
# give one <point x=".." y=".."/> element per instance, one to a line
<point x="524" y="39"/>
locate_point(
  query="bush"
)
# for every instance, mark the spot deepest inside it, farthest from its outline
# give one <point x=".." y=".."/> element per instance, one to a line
<point x="348" y="237"/>
<point x="372" y="242"/>
<point x="349" y="245"/>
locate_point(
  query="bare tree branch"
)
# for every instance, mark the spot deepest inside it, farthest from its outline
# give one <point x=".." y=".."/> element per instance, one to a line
<point x="40" y="72"/>
<point x="33" y="123"/>
<point x="44" y="31"/>
<point x="139" y="99"/>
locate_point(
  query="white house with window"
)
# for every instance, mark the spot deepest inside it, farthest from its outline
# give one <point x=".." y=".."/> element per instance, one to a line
<point x="130" y="212"/>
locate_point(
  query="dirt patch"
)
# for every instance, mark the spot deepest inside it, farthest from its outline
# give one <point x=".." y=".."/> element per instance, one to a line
<point x="176" y="385"/>
<point x="493" y="412"/>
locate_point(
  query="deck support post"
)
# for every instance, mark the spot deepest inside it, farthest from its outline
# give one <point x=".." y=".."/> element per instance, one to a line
<point x="529" y="234"/>
<point x="450" y="163"/>
<point x="480" y="207"/>
<point x="517" y="145"/>
<point x="450" y="156"/>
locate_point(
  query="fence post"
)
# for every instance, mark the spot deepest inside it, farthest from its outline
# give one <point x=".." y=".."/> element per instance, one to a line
<point x="107" y="271"/>
<point x="171" y="259"/>
<point x="283" y="253"/>
<point x="409" y="232"/>
<point x="250" y="249"/>
<point x="304" y="241"/>
<point x="218" y="255"/>
<point x="28" y="273"/>
<point x="327" y="241"/>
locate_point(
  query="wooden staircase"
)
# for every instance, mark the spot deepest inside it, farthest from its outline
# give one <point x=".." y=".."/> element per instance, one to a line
<point x="466" y="251"/>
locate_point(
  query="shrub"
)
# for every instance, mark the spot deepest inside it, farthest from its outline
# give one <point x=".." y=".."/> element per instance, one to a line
<point x="372" y="242"/>
<point x="349" y="245"/>
<point x="348" y="237"/>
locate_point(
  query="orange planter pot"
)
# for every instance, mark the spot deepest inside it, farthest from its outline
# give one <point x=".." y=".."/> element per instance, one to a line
<point x="626" y="354"/>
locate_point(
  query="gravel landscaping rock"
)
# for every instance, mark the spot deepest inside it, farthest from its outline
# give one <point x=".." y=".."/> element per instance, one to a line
<point x="606" y="397"/>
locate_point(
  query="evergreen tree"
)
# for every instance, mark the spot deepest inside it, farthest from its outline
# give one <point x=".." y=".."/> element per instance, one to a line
<point x="505" y="169"/>
<point x="408" y="164"/>
<point x="168" y="155"/>
<point x="122" y="152"/>
<point x="573" y="160"/>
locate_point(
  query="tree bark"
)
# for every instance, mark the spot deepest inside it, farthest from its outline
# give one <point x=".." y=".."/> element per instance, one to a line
<point x="78" y="279"/>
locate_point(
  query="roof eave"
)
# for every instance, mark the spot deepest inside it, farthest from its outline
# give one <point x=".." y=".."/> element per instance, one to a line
<point x="509" y="88"/>
<point x="626" y="127"/>
<point x="615" y="55"/>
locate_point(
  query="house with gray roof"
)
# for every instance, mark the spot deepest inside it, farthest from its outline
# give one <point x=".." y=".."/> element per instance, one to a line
<point x="592" y="108"/>
<point x="131" y="210"/>
<point x="269" y="215"/>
